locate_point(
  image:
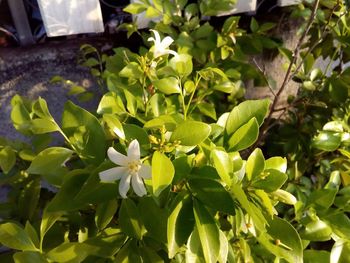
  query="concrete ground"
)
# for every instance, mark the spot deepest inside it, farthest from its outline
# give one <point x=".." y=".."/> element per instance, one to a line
<point x="28" y="71"/>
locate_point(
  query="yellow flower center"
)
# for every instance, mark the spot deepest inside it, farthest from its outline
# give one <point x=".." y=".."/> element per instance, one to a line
<point x="134" y="167"/>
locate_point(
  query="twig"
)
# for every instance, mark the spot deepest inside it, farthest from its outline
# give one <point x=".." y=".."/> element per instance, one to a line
<point x="263" y="71"/>
<point x="288" y="76"/>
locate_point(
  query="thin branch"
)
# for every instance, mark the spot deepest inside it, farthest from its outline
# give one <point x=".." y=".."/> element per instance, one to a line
<point x="288" y="76"/>
<point x="263" y="71"/>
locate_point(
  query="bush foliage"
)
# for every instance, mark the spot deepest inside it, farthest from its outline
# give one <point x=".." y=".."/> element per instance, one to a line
<point x="175" y="165"/>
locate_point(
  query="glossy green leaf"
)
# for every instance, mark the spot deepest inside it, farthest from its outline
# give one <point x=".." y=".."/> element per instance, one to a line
<point x="190" y="133"/>
<point x="327" y="141"/>
<point x="194" y="251"/>
<point x="40" y="126"/>
<point x="244" y="136"/>
<point x="154" y="218"/>
<point x="168" y="85"/>
<point x="317" y="231"/>
<point x="69" y="252"/>
<point x="114" y="124"/>
<point x="107" y="243"/>
<point x="180" y="223"/>
<point x="207" y="109"/>
<point x="255" y="164"/>
<point x="208" y="232"/>
<point x="15" y="237"/>
<point x="319" y="256"/>
<point x="340" y="252"/>
<point x="111" y="103"/>
<point x="7" y="159"/>
<point x="29" y="257"/>
<point x="271" y="181"/>
<point x="212" y="194"/>
<point x="105" y="212"/>
<point x="322" y="197"/>
<point x="47" y="221"/>
<point x="133" y="131"/>
<point x="223" y="165"/>
<point x="258" y="218"/>
<point x="277" y="163"/>
<point x="130" y="220"/>
<point x="283" y="241"/>
<point x="131" y="102"/>
<point x="84" y="132"/>
<point x="29" y="198"/>
<point x="244" y="112"/>
<point x="162" y="172"/>
<point x="182" y="64"/>
<point x="135" y="8"/>
<point x="131" y="70"/>
<point x="50" y="164"/>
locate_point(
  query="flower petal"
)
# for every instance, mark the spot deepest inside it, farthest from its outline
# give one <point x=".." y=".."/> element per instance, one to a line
<point x="134" y="151"/>
<point x="117" y="157"/>
<point x="112" y="174"/>
<point x="157" y="37"/>
<point x="124" y="185"/>
<point x="145" y="171"/>
<point x="138" y="186"/>
<point x="166" y="42"/>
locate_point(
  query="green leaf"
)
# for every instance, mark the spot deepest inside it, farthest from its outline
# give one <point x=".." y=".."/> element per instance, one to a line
<point x="254" y="26"/>
<point x="107" y="243"/>
<point x="29" y="257"/>
<point x="245" y="136"/>
<point x="29" y="198"/>
<point x="131" y="103"/>
<point x="168" y="85"/>
<point x="322" y="197"/>
<point x="281" y="232"/>
<point x="40" y="126"/>
<point x="182" y="64"/>
<point x="255" y="164"/>
<point x="277" y="163"/>
<point x="191" y="133"/>
<point x="129" y="219"/>
<point x="7" y="159"/>
<point x="135" y="8"/>
<point x="15" y="237"/>
<point x="244" y="112"/>
<point x="319" y="256"/>
<point x="111" y="103"/>
<point x="50" y="164"/>
<point x="105" y="212"/>
<point x="194" y="251"/>
<point x="154" y="218"/>
<point x="225" y="86"/>
<point x="162" y="172"/>
<point x="340" y="224"/>
<point x="47" y="221"/>
<point x="133" y="131"/>
<point x="180" y="223"/>
<point x="212" y="194"/>
<point x="69" y="252"/>
<point x="85" y="133"/>
<point x="258" y="218"/>
<point x="327" y="141"/>
<point x="131" y="70"/>
<point x="208" y="232"/>
<point x="207" y="109"/>
<point x="223" y="165"/>
<point x="30" y="230"/>
<point x="65" y="199"/>
<point x="317" y="231"/>
<point x="271" y="181"/>
<point x="114" y="124"/>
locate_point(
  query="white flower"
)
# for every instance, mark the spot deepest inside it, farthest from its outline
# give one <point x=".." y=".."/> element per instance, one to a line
<point x="161" y="47"/>
<point x="130" y="169"/>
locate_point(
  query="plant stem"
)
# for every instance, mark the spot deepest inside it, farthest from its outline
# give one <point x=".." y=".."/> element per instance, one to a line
<point x="288" y="75"/>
